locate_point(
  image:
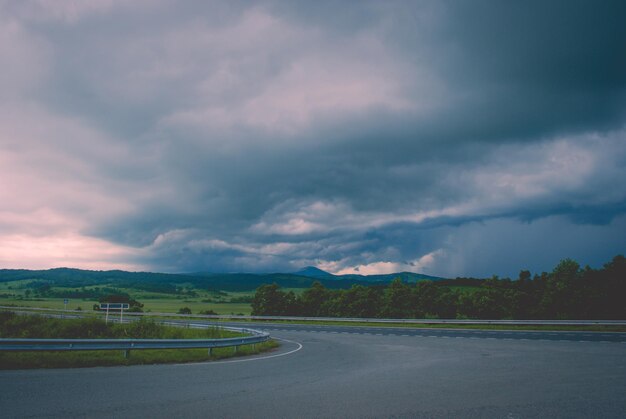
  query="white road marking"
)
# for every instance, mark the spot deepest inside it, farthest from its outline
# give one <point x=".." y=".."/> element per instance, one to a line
<point x="300" y="346"/>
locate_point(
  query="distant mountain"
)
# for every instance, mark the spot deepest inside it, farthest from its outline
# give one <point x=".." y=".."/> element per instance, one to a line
<point x="168" y="283"/>
<point x="404" y="276"/>
<point x="313" y="272"/>
<point x="171" y="283"/>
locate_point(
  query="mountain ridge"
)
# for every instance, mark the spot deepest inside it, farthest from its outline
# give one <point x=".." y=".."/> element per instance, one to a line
<point x="314" y="272"/>
<point x="73" y="277"/>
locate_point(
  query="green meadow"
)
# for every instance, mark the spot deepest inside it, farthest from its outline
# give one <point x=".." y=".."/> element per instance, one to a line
<point x="27" y="293"/>
<point x="21" y="294"/>
<point x="161" y="305"/>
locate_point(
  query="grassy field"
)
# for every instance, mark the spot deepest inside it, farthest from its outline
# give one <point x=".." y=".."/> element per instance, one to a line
<point x="160" y="305"/>
<point x="17" y="293"/>
<point x="196" y="305"/>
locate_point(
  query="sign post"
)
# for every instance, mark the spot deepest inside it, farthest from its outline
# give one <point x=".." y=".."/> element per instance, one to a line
<point x="114" y="306"/>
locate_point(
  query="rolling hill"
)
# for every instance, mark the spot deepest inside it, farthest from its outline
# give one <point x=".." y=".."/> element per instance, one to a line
<point x="313" y="272"/>
<point x="162" y="282"/>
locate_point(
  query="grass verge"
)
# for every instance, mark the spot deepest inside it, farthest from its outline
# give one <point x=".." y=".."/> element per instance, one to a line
<point x="32" y="326"/>
<point x="81" y="359"/>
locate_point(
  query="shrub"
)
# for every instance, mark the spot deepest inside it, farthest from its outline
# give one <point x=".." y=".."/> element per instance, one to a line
<point x="208" y="312"/>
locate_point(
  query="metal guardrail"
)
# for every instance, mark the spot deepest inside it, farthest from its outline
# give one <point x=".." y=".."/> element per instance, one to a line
<point x="445" y="321"/>
<point x="383" y="321"/>
<point x="394" y="321"/>
<point x="417" y="321"/>
<point x="615" y="322"/>
<point x="18" y="344"/>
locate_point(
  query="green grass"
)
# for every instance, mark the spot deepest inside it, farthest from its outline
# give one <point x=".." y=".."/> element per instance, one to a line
<point x="157" y="305"/>
<point x="168" y="305"/>
<point x="203" y="300"/>
<point x="14" y="286"/>
<point x="54" y="303"/>
<point x="80" y="359"/>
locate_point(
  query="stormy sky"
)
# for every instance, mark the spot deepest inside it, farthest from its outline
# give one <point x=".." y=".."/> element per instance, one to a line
<point x="445" y="137"/>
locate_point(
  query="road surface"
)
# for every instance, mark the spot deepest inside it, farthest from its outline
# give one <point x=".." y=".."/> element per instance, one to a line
<point x="338" y="371"/>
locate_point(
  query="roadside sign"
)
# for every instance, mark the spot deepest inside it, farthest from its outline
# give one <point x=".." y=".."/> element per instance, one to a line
<point x="114" y="306"/>
<point x="66" y="301"/>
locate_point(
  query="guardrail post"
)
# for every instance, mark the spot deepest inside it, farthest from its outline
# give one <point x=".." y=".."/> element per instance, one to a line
<point x="126" y="353"/>
<point x="236" y="349"/>
<point x="210" y="351"/>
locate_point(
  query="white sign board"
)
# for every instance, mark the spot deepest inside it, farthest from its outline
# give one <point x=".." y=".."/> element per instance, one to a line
<point x="114" y="306"/>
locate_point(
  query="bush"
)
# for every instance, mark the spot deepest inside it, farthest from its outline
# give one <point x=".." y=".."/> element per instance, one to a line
<point x="208" y="312"/>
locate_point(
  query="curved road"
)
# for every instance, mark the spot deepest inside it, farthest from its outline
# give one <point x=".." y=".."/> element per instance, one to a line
<point x="339" y="371"/>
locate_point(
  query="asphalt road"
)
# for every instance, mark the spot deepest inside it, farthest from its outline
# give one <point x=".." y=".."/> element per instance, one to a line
<point x="432" y="332"/>
<point x="352" y="372"/>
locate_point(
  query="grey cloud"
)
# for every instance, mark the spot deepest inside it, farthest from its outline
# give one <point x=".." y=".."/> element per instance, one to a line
<point x="505" y="246"/>
<point x="245" y="147"/>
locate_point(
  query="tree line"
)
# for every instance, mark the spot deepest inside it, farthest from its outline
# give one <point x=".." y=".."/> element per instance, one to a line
<point x="568" y="292"/>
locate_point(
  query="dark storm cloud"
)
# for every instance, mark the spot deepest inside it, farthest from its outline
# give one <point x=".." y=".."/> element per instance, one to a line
<point x="561" y="64"/>
<point x="260" y="137"/>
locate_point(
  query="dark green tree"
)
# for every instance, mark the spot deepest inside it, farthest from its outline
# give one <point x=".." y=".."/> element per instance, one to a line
<point x="397" y="301"/>
<point x="269" y="300"/>
<point x="562" y="290"/>
<point x="312" y="300"/>
<point x="360" y="301"/>
<point x="524" y="276"/>
<point x="134" y="305"/>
